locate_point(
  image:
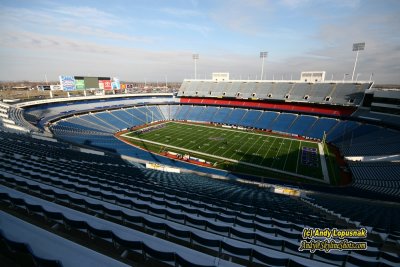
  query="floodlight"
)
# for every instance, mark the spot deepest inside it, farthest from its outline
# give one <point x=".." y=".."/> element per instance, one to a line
<point x="195" y="58"/>
<point x="357" y="47"/>
<point x="263" y="55"/>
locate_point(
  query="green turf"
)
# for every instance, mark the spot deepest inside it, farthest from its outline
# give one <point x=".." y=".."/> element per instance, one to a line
<point x="266" y="150"/>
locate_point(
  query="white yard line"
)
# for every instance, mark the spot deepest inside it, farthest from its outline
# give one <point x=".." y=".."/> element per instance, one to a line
<point x="227" y="159"/>
<point x="263" y="143"/>
<point x="241" y="131"/>
<point x="298" y="157"/>
<point x="215" y="151"/>
<point x="197" y="141"/>
<point x="256" y="142"/>
<point x="242" y="144"/>
<point x="277" y="153"/>
<point x="233" y="132"/>
<point x="287" y="154"/>
<point x="193" y="134"/>
<point x="268" y="150"/>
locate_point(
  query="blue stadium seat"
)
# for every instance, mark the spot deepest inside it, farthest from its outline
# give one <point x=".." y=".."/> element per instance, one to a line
<point x="283" y="122"/>
<point x="302" y="124"/>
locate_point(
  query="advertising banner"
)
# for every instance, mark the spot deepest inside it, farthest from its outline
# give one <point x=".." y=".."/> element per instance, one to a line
<point x="101" y="84"/>
<point x="91" y="82"/>
<point x="106" y="84"/>
<point x="80" y="84"/>
<point x="67" y="83"/>
<point x="116" y="84"/>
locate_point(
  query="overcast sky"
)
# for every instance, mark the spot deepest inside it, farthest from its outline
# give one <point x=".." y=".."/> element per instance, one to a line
<point x="149" y="40"/>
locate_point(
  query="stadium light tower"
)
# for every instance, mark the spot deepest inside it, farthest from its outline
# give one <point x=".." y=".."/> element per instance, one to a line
<point x="357" y="47"/>
<point x="263" y="55"/>
<point x="195" y="58"/>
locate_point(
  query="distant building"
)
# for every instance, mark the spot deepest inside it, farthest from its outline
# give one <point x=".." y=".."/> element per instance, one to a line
<point x="312" y="76"/>
<point x="43" y="87"/>
<point x="220" y="76"/>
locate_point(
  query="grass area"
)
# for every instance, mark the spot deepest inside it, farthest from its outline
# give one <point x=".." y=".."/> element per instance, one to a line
<point x="208" y="142"/>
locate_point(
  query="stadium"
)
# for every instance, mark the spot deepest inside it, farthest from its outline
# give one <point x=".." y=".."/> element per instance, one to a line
<point x="221" y="172"/>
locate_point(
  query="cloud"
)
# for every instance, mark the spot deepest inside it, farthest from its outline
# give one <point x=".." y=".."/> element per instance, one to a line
<point x="245" y="17"/>
<point x="84" y="21"/>
<point x="104" y="34"/>
<point x="382" y="46"/>
<point x="294" y="3"/>
<point x="228" y="34"/>
<point x="318" y="3"/>
<point x="85" y="15"/>
<point x="51" y="43"/>
<point x="181" y="12"/>
<point x="204" y="30"/>
<point x="35" y="54"/>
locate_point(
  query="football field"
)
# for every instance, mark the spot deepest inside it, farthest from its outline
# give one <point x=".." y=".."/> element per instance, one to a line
<point x="225" y="145"/>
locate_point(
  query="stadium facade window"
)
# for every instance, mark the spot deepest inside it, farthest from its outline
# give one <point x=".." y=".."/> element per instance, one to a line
<point x="328" y="98"/>
<point x="269" y="95"/>
<point x="287" y="96"/>
<point x="253" y="95"/>
<point x="224" y="93"/>
<point x="306" y="97"/>
<point x="209" y="92"/>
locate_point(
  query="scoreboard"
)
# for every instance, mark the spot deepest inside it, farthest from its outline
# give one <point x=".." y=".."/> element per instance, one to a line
<point x="72" y="83"/>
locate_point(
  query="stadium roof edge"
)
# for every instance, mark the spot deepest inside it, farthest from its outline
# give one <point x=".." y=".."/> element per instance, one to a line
<point x="67" y="99"/>
<point x="277" y="81"/>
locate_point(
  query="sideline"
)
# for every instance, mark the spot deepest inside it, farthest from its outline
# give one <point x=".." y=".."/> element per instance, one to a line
<point x="323" y="163"/>
<point x="227" y="159"/>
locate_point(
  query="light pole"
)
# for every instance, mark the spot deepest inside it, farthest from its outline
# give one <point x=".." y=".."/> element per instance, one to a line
<point x="357" y="47"/>
<point x="344" y="76"/>
<point x="263" y="55"/>
<point x="195" y="58"/>
<point x="370" y="77"/>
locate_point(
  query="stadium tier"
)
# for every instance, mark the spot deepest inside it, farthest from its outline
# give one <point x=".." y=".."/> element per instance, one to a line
<point x="157" y="216"/>
<point x="345" y="134"/>
<point x="69" y="186"/>
<point x="318" y="109"/>
<point x="328" y="93"/>
<point x="351" y="137"/>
